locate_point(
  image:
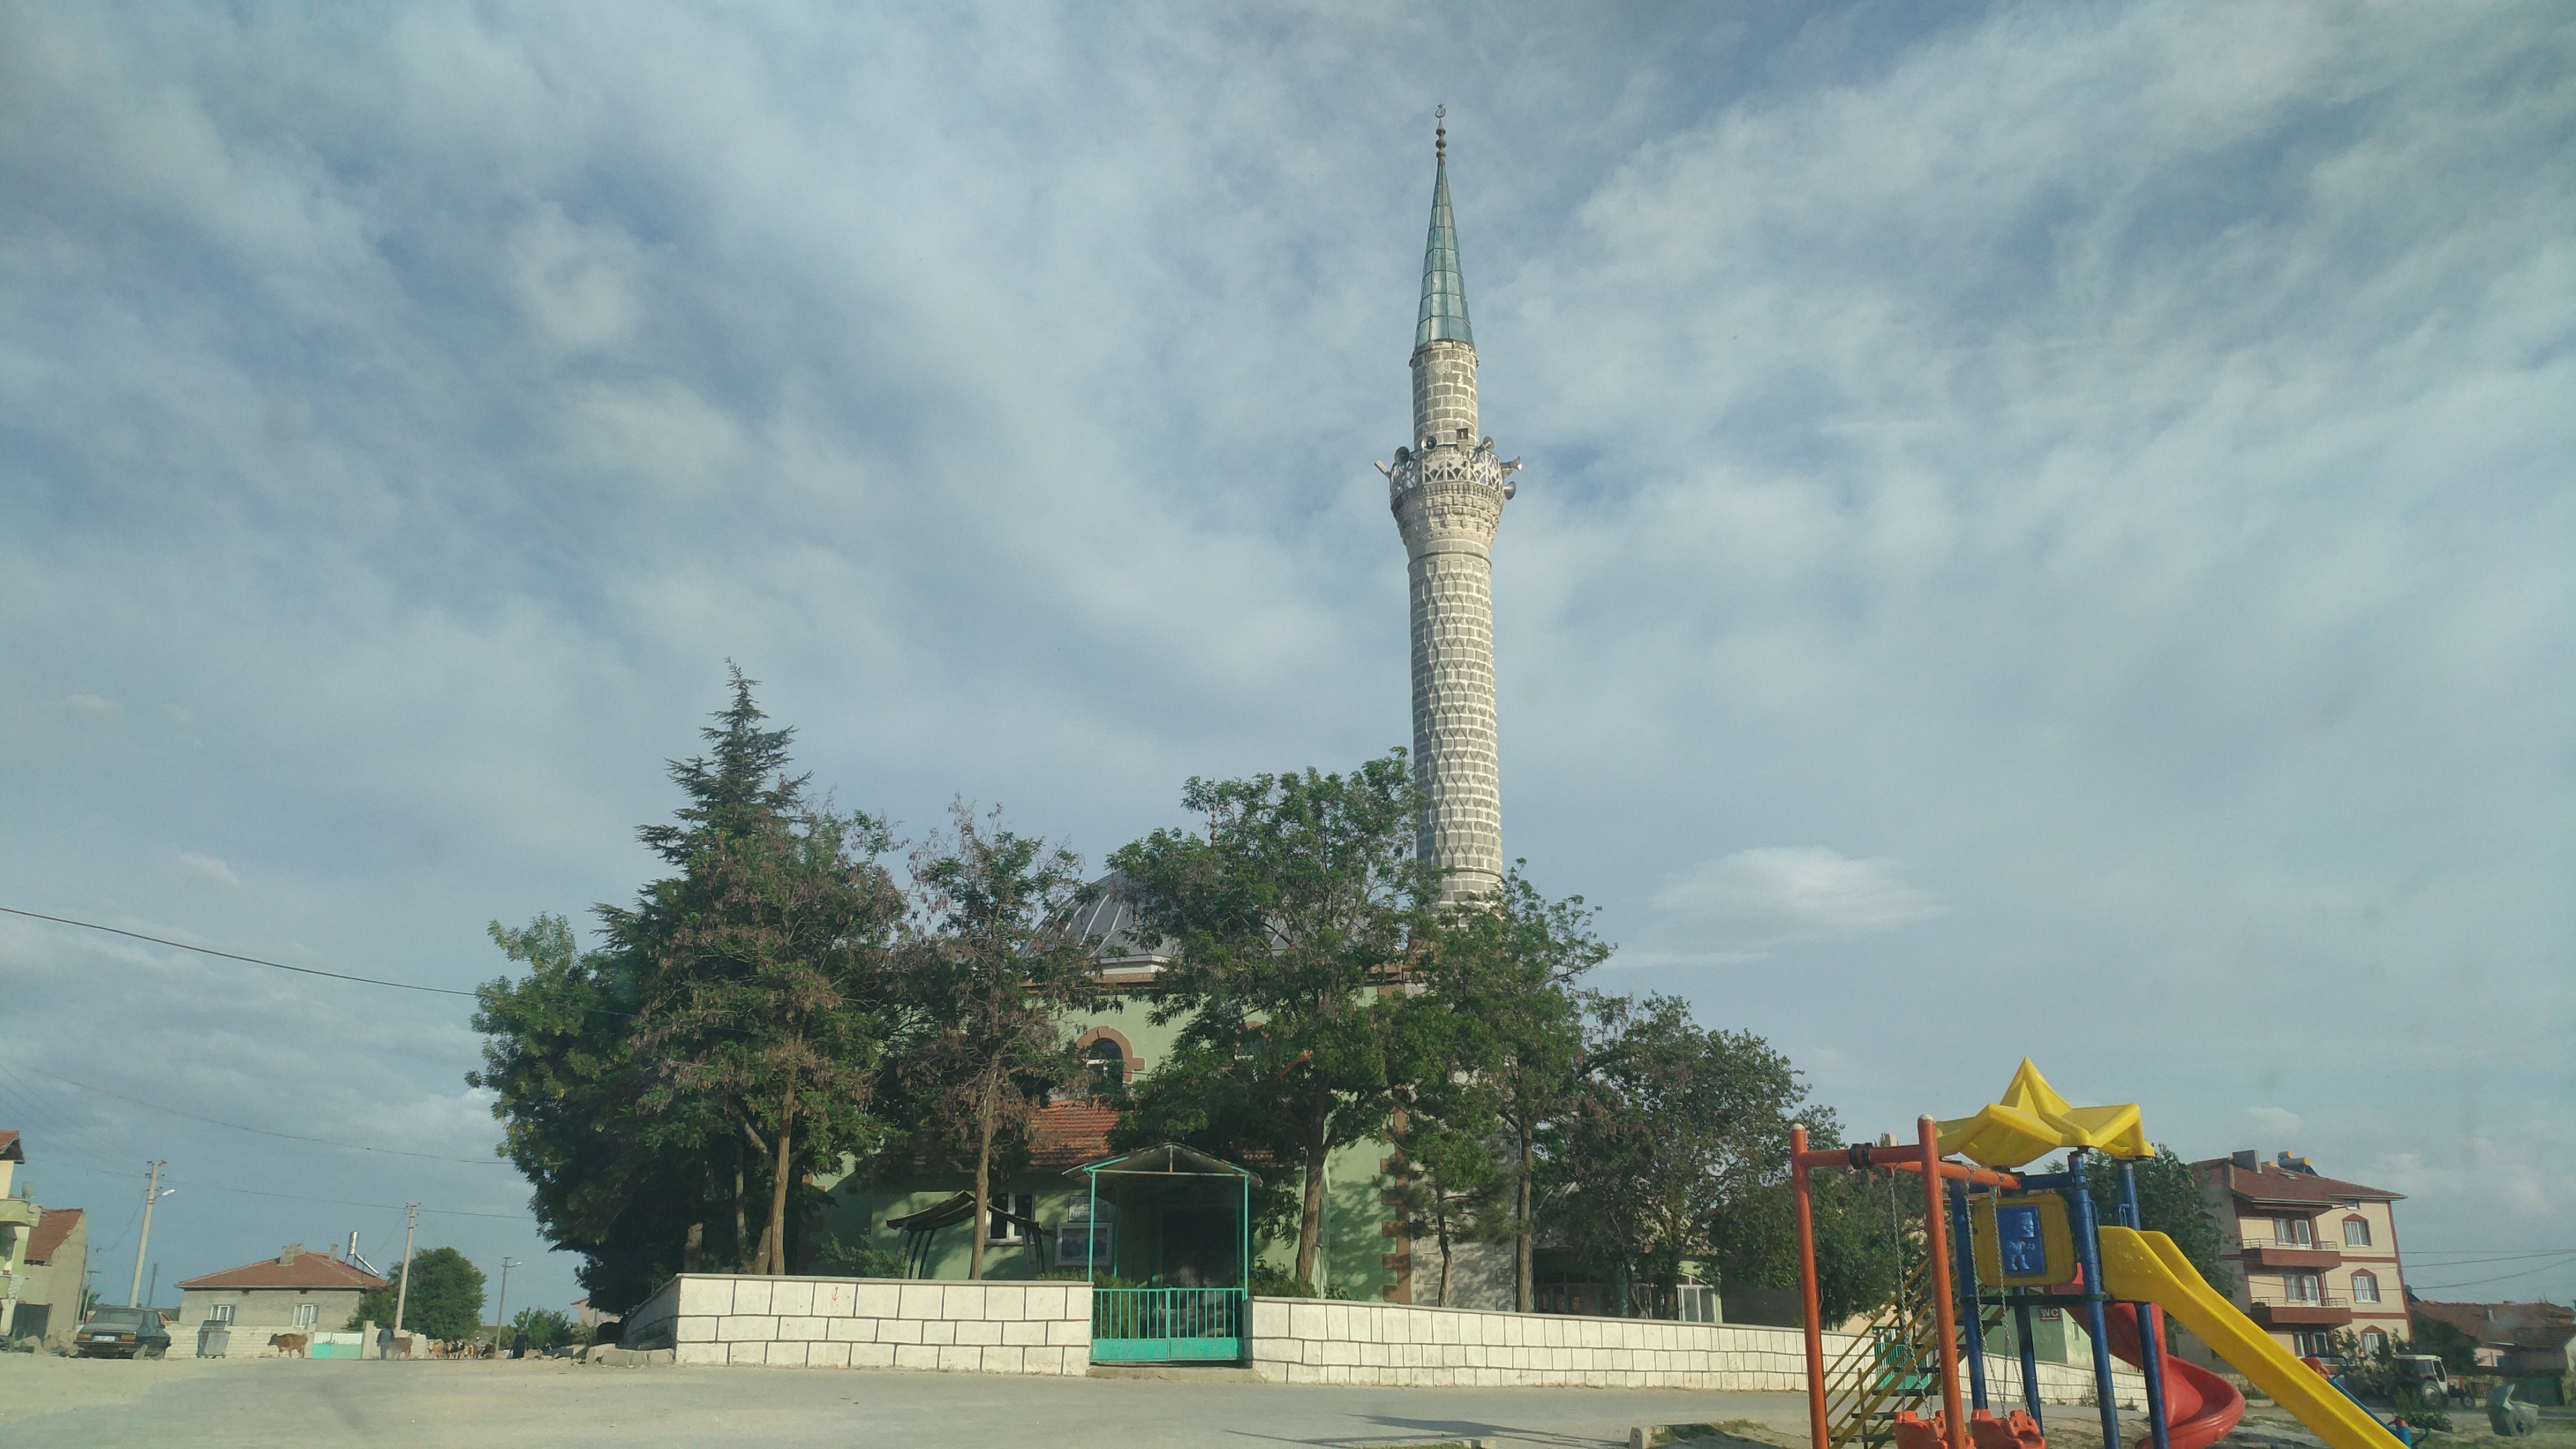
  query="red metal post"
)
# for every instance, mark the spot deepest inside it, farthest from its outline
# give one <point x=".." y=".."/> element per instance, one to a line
<point x="1936" y="1225"/>
<point x="1804" y="1195"/>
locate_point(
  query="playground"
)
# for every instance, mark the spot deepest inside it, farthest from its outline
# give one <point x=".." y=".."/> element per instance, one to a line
<point x="2000" y="1244"/>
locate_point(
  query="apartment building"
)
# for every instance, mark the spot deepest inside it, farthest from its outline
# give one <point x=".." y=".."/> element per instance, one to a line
<point x="2313" y="1255"/>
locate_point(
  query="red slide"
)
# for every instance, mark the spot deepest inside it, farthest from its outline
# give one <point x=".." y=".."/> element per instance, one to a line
<point x="2200" y="1407"/>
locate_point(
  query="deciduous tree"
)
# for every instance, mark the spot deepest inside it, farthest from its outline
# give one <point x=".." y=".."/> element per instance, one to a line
<point x="987" y="982"/>
<point x="1290" y="918"/>
<point x="1500" y="987"/>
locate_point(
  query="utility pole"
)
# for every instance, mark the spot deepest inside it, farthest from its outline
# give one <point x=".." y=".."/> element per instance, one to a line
<point x="501" y="1313"/>
<point x="151" y="1194"/>
<point x="154" y="1292"/>
<point x="402" y="1295"/>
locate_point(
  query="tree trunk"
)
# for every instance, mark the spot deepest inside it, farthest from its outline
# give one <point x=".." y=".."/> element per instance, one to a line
<point x="690" y="1245"/>
<point x="985" y="1108"/>
<point x="1310" y="1221"/>
<point x="1444" y="1261"/>
<point x="1522" y="1278"/>
<point x="741" y="1230"/>
<point x="774" y="1241"/>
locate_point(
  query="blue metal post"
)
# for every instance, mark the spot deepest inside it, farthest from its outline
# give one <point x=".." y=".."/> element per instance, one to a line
<point x="2151" y="1320"/>
<point x="1965" y="1252"/>
<point x="2088" y="1248"/>
<point x="2029" y="1360"/>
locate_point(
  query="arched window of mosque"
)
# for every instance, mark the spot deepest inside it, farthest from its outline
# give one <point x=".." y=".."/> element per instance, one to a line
<point x="2356" y="1232"/>
<point x="1107" y="1060"/>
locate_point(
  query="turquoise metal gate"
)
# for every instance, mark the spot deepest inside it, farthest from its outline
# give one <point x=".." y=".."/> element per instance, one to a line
<point x="1166" y="1325"/>
<point x="1160" y="1321"/>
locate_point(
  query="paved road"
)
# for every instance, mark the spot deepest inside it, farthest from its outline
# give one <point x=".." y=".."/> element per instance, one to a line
<point x="48" y="1402"/>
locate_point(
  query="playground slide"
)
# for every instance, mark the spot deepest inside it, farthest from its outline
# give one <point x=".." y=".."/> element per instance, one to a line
<point x="2148" y="1268"/>
<point x="2200" y="1407"/>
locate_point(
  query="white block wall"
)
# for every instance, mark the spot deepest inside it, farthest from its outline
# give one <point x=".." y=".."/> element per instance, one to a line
<point x="992" y="1328"/>
<point x="1303" y="1341"/>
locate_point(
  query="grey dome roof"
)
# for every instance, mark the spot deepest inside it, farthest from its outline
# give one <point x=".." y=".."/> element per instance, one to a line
<point x="1108" y="920"/>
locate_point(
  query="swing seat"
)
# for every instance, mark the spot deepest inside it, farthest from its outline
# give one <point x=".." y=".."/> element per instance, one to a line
<point x="2018" y="1430"/>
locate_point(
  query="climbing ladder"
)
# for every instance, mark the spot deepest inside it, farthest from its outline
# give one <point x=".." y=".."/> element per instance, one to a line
<point x="1892" y="1364"/>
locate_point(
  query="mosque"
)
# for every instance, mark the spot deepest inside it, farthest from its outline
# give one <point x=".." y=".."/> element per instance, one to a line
<point x="1447" y="488"/>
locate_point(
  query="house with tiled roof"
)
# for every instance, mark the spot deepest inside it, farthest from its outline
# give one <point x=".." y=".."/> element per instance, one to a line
<point x="296" y="1291"/>
<point x="2521" y="1340"/>
<point x="2314" y="1255"/>
<point x="44" y="1256"/>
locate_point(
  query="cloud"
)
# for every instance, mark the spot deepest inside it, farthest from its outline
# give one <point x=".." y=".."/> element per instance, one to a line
<point x="2274" y="1125"/>
<point x="207" y="867"/>
<point x="2109" y="460"/>
<point x="1775" y="894"/>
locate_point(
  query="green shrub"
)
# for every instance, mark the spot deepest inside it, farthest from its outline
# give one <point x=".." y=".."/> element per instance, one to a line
<point x="1271" y="1282"/>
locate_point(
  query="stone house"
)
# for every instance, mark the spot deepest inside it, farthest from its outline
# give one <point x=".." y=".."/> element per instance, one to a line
<point x="2519" y="1340"/>
<point x="295" y="1291"/>
<point x="44" y="1258"/>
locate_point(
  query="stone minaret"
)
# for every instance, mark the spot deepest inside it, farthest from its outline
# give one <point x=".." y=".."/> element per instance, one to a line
<point x="1447" y="490"/>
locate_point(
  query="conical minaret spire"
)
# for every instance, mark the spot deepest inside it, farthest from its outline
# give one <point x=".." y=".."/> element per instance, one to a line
<point x="1447" y="489"/>
<point x="1444" y="287"/>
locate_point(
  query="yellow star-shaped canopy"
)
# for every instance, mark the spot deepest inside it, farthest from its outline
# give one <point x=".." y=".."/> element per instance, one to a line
<point x="2033" y="1121"/>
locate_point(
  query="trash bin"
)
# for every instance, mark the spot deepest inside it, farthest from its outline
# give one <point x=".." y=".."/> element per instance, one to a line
<point x="212" y="1342"/>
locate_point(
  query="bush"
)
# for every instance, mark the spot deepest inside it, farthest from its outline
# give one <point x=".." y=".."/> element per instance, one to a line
<point x="858" y="1256"/>
<point x="545" y="1329"/>
<point x="1270" y="1282"/>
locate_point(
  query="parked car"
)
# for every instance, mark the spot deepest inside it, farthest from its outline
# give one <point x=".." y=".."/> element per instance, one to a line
<point x="122" y="1333"/>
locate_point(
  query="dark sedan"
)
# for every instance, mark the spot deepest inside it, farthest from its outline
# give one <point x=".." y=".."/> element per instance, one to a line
<point x="122" y="1333"/>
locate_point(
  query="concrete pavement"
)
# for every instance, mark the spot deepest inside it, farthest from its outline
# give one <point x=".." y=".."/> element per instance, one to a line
<point x="48" y="1402"/>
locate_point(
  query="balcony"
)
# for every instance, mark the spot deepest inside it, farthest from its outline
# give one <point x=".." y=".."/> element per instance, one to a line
<point x="2275" y="1255"/>
<point x="2276" y="1312"/>
<point x="17" y="1212"/>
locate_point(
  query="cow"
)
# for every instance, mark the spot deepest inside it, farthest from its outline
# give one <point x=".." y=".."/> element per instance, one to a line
<point x="297" y="1344"/>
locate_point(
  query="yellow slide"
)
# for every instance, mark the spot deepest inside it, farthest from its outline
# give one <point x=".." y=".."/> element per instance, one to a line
<point x="2148" y="1268"/>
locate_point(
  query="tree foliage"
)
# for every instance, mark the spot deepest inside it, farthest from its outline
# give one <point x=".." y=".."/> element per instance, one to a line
<point x="1501" y="1025"/>
<point x="987" y="983"/>
<point x="543" y="1329"/>
<point x="2458" y="1351"/>
<point x="724" y="1041"/>
<point x="1676" y="1123"/>
<point x="1290" y="919"/>
<point x="445" y="1302"/>
<point x="2170" y="1201"/>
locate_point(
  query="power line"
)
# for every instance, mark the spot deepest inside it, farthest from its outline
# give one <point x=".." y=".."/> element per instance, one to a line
<point x="50" y="1162"/>
<point x="264" y="1132"/>
<point x="229" y="956"/>
<point x="2563" y="1261"/>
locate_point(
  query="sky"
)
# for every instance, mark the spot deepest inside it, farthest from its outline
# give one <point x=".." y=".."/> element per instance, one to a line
<point x="2043" y="530"/>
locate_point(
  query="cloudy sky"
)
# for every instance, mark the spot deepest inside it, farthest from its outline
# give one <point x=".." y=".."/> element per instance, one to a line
<point x="2044" y="528"/>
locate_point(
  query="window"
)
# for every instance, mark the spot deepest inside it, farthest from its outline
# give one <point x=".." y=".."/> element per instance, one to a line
<point x="1082" y="1241"/>
<point x="305" y="1313"/>
<point x="2317" y="1343"/>
<point x="1107" y="1060"/>
<point x="2291" y="1232"/>
<point x="2365" y="1288"/>
<point x="221" y="1313"/>
<point x="1003" y="1229"/>
<point x="2356" y="1232"/>
<point x="2303" y="1288"/>
<point x="2373" y="1341"/>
